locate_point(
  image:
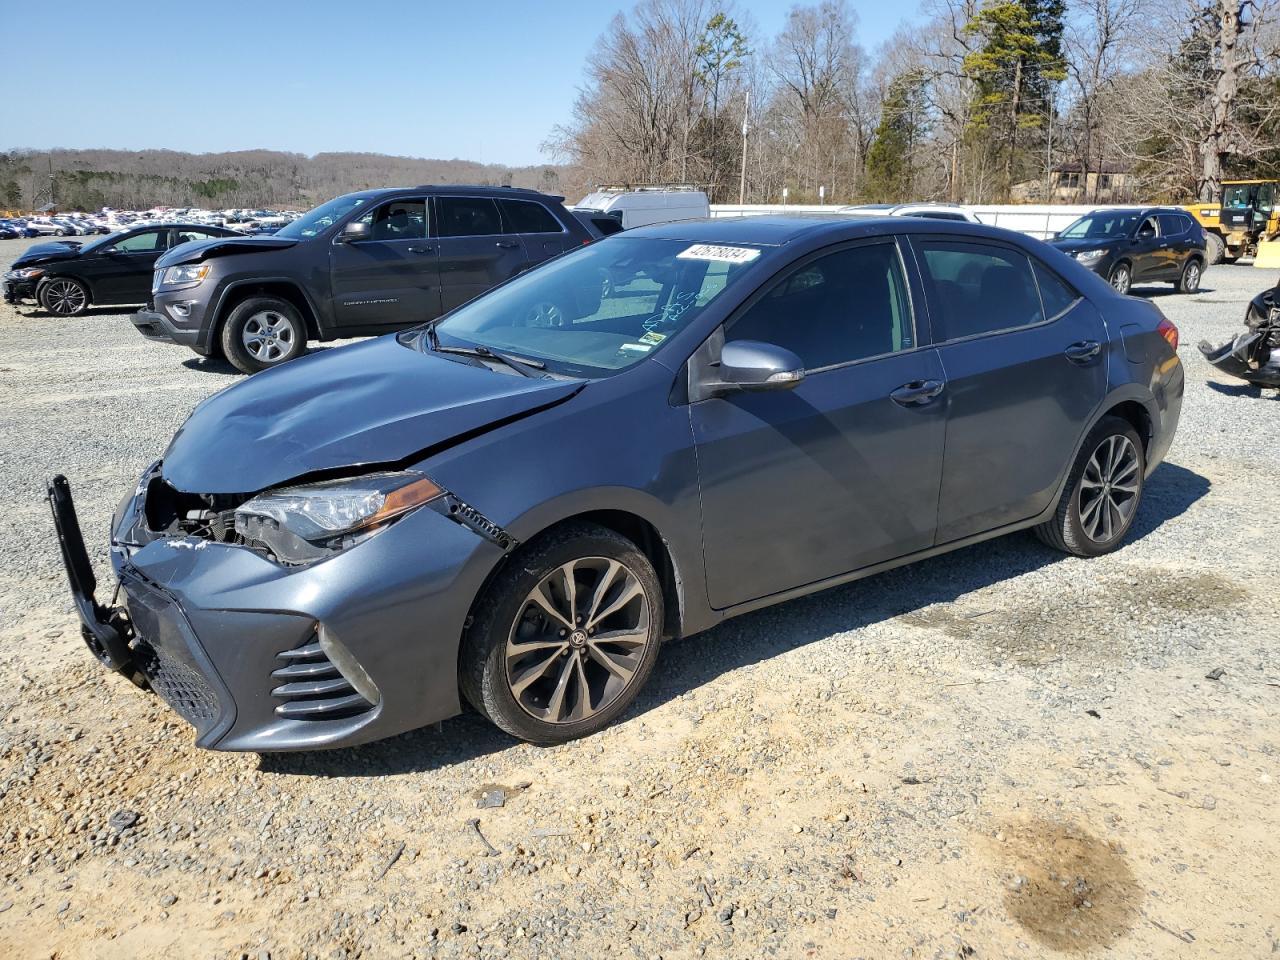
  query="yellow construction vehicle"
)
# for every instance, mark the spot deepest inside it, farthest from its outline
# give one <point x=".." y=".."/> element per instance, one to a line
<point x="1246" y="217"/>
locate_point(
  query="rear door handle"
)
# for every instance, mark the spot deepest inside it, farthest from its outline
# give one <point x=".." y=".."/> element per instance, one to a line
<point x="507" y="244"/>
<point x="1083" y="352"/>
<point x="916" y="393"/>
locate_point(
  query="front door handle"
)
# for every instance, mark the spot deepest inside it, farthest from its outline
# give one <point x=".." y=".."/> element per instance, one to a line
<point x="507" y="244"/>
<point x="420" y="249"/>
<point x="916" y="393"/>
<point x="1083" y="352"/>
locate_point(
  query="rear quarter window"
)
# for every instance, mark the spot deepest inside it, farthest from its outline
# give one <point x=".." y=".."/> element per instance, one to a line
<point x="1055" y="293"/>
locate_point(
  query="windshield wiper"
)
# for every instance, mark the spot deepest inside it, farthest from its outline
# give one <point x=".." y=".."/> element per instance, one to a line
<point x="520" y="365"/>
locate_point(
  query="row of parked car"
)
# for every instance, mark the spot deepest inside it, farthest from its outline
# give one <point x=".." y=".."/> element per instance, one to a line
<point x="380" y="260"/>
<point x="109" y="221"/>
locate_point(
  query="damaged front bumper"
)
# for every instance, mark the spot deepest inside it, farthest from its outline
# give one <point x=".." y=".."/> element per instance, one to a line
<point x="263" y="657"/>
<point x="16" y="290"/>
<point x="1255" y="354"/>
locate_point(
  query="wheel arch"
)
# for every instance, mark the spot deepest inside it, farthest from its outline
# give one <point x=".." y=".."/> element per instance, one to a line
<point x="50" y="277"/>
<point x="288" y="290"/>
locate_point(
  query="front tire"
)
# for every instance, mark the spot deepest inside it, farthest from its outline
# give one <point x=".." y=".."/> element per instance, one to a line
<point x="1103" y="492"/>
<point x="565" y="637"/>
<point x="64" y="297"/>
<point x="1189" y="282"/>
<point x="1121" y="278"/>
<point x="263" y="332"/>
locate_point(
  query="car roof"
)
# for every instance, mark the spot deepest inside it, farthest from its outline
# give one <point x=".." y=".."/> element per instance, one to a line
<point x="471" y="189"/>
<point x="779" y="229"/>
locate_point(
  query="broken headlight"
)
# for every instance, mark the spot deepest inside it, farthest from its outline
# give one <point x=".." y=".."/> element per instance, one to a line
<point x="311" y="521"/>
<point x="26" y="273"/>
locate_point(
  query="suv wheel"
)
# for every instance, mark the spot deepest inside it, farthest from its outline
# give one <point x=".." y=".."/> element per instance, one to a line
<point x="565" y="637"/>
<point x="1102" y="493"/>
<point x="263" y="332"/>
<point x="1189" y="282"/>
<point x="1121" y="277"/>
<point x="64" y="297"/>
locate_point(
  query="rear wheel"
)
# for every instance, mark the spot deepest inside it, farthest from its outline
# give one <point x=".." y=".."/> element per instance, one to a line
<point x="564" y="638"/>
<point x="1102" y="493"/>
<point x="1189" y="282"/>
<point x="263" y="332"/>
<point x="1121" y="277"/>
<point x="64" y="297"/>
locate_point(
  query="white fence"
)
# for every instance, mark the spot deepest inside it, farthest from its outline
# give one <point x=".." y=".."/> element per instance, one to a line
<point x="1041" y="221"/>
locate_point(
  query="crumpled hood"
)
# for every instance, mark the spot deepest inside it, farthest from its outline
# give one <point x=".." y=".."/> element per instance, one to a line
<point x="194" y="251"/>
<point x="47" y="252"/>
<point x="1097" y="243"/>
<point x="372" y="403"/>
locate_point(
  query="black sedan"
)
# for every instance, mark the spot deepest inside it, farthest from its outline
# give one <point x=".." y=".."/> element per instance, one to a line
<point x="66" y="276"/>
<point x="1138" y="244"/>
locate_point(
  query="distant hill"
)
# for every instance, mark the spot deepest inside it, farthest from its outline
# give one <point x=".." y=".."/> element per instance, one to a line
<point x="128" y="179"/>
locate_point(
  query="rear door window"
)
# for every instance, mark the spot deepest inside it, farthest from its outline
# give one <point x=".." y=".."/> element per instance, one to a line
<point x="468" y="216"/>
<point x="1171" y="224"/>
<point x="978" y="288"/>
<point x="528" y="216"/>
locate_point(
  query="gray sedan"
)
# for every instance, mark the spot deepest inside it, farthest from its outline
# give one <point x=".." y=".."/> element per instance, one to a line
<point x="517" y="504"/>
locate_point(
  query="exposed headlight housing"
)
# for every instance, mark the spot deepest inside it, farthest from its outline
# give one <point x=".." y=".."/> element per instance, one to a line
<point x="184" y="274"/>
<point x="312" y="521"/>
<point x="26" y="273"/>
<point x="1087" y="255"/>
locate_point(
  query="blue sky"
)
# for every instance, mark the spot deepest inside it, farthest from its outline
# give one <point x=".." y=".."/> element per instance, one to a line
<point x="477" y="80"/>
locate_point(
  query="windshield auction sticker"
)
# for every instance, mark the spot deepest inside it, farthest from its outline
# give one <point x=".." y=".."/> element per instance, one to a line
<point x="707" y="251"/>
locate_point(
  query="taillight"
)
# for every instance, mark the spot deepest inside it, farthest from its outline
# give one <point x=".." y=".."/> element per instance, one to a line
<point x="1167" y="330"/>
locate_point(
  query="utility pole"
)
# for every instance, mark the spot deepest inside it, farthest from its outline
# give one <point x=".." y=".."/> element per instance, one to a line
<point x="742" y="175"/>
<point x="1048" y="154"/>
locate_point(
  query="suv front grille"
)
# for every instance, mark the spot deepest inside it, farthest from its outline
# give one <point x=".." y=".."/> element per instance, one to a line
<point x="312" y="688"/>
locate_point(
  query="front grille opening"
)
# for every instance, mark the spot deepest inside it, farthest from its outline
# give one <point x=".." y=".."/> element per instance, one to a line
<point x="311" y="687"/>
<point x="171" y="512"/>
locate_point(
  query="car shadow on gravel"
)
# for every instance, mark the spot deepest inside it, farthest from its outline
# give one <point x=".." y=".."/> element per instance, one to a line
<point x="220" y="367"/>
<point x="1250" y="390"/>
<point x="755" y="637"/>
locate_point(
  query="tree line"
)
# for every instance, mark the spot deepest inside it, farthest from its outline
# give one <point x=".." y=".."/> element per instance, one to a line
<point x="978" y="102"/>
<point x="141" y="179"/>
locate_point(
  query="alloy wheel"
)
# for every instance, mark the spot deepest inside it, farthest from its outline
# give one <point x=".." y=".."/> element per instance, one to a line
<point x="64" y="297"/>
<point x="578" y="639"/>
<point x="1191" y="283"/>
<point x="269" y="336"/>
<point x="1121" y="279"/>
<point x="1109" y="489"/>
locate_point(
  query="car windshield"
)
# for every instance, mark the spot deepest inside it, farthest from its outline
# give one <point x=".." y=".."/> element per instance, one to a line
<point x="321" y="218"/>
<point x="601" y="308"/>
<point x="1103" y="225"/>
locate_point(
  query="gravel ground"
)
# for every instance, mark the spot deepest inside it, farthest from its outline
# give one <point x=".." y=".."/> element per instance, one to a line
<point x="1000" y="752"/>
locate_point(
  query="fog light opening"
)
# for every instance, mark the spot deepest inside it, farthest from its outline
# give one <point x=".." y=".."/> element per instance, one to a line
<point x="348" y="666"/>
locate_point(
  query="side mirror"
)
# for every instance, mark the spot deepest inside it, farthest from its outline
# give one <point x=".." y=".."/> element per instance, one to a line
<point x="354" y="231"/>
<point x="1146" y="233"/>
<point x="751" y="365"/>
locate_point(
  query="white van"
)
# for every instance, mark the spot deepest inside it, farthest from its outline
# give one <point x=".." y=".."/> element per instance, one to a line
<point x="639" y="206"/>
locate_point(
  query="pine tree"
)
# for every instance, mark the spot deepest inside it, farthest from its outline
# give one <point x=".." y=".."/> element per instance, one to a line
<point x="889" y="161"/>
<point x="1015" y="69"/>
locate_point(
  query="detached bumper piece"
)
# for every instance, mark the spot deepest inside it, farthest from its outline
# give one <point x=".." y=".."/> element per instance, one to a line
<point x="1253" y="356"/>
<point x="151" y="643"/>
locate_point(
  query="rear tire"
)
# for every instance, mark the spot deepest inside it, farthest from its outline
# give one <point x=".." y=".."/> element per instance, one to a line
<point x="1192" y="271"/>
<point x="1102" y="494"/>
<point x="1214" y="247"/>
<point x="263" y="332"/>
<point x="537" y="659"/>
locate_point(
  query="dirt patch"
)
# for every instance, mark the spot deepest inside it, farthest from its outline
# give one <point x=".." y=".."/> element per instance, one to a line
<point x="1048" y="629"/>
<point x="1066" y="888"/>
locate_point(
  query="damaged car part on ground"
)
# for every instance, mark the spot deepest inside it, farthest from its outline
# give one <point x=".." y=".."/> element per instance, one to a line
<point x="517" y="504"/>
<point x="1255" y="354"/>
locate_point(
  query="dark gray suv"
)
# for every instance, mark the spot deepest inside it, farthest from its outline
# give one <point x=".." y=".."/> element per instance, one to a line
<point x="361" y="264"/>
<point x="517" y="504"/>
